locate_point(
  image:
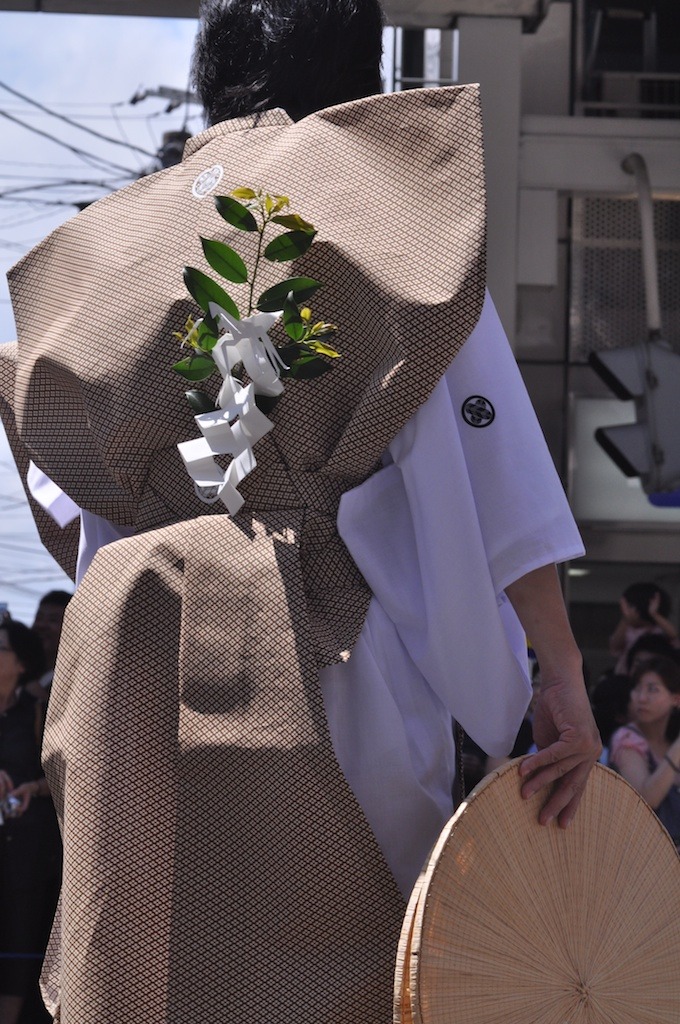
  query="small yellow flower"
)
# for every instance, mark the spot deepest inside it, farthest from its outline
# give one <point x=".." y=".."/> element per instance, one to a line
<point x="306" y="314"/>
<point x="322" y="328"/>
<point x="190" y="334"/>
<point x="323" y="350"/>
<point x="244" y="193"/>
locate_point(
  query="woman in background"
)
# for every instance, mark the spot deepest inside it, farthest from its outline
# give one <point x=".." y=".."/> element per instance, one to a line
<point x="644" y="611"/>
<point x="646" y="752"/>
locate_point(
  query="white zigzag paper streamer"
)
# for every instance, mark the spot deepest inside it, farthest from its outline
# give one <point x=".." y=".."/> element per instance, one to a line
<point x="237" y="424"/>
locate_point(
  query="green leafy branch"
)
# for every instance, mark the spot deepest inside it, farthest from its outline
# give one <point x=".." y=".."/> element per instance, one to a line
<point x="307" y="353"/>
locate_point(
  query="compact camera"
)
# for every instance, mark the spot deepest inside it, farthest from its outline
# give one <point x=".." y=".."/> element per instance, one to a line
<point x="9" y="808"/>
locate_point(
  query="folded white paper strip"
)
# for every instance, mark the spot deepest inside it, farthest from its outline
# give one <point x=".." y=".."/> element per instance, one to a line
<point x="237" y="424"/>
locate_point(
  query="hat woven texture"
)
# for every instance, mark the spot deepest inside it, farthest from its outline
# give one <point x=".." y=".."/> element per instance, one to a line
<point x="511" y="922"/>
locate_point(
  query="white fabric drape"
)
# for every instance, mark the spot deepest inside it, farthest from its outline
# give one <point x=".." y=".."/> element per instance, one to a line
<point x="457" y="514"/>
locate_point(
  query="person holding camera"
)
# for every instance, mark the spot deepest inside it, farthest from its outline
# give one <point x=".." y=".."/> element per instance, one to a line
<point x="645" y="610"/>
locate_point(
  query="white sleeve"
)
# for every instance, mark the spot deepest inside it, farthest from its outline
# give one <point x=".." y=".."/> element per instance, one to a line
<point x="95" y="532"/>
<point x="522" y="510"/>
<point x="462" y="511"/>
<point x="468" y="502"/>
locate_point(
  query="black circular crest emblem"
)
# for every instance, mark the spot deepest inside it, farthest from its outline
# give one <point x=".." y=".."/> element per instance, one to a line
<point x="478" y="411"/>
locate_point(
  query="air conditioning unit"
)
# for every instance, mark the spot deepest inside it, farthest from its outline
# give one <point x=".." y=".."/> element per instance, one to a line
<point x="637" y="94"/>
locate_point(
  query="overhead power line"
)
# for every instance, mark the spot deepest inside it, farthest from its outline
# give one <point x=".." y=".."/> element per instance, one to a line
<point x="54" y="184"/>
<point x="74" y="124"/>
<point x="137" y="118"/>
<point x="41" y="202"/>
<point x="101" y="161"/>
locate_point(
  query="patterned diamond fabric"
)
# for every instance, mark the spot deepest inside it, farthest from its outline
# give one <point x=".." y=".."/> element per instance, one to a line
<point x="62" y="544"/>
<point x="217" y="866"/>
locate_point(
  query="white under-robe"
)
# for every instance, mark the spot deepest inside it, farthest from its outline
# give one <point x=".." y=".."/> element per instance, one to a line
<point x="457" y="513"/>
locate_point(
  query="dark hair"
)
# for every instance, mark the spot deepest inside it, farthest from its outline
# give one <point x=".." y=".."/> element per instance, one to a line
<point x="640" y="594"/>
<point x="27" y="647"/>
<point x="301" y="55"/>
<point x="610" y="699"/>
<point x="666" y="669"/>
<point x="669" y="674"/>
<point x="651" y="644"/>
<point x="60" y="598"/>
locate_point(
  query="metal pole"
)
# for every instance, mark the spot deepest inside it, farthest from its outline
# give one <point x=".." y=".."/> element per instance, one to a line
<point x="635" y="164"/>
<point x="579" y="57"/>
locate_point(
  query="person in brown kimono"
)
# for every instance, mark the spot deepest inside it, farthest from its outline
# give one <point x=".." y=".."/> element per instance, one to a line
<point x="217" y="864"/>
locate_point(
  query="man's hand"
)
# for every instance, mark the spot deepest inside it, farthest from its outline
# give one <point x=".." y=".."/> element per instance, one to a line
<point x="6" y="784"/>
<point x="569" y="745"/>
<point x="25" y="792"/>
<point x="564" y="727"/>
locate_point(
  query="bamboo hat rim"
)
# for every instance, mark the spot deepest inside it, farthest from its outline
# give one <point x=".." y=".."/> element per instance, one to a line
<point x="547" y="926"/>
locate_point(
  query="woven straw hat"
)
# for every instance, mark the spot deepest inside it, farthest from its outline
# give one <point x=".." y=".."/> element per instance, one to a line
<point x="514" y="923"/>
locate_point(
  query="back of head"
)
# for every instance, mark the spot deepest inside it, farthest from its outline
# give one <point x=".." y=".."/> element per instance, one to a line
<point x="27" y="647"/>
<point x="301" y="55"/>
<point x="58" y="598"/>
<point x="610" y="699"/>
<point x="649" y="645"/>
<point x="48" y="622"/>
<point x="639" y="596"/>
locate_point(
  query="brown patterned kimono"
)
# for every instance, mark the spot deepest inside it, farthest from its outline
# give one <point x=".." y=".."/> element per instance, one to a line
<point x="217" y="866"/>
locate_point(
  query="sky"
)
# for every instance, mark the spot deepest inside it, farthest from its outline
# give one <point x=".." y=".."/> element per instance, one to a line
<point x="86" y="68"/>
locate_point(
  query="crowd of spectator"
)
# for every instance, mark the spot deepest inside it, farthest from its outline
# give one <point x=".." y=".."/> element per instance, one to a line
<point x="30" y="845"/>
<point x="636" y="704"/>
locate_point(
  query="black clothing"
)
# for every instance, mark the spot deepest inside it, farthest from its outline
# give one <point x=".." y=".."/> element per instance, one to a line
<point x="30" y="856"/>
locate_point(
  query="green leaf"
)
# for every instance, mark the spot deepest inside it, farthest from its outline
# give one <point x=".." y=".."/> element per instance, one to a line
<point x="224" y="260"/>
<point x="289" y="353"/>
<point x="211" y="325"/>
<point x="195" y="367"/>
<point x="274" y="298"/>
<point x="204" y="290"/>
<point x="244" y="193"/>
<point x="289" y="246"/>
<point x="294" y="221"/>
<point x="292" y="321"/>
<point x="206" y="340"/>
<point x="308" y="367"/>
<point x="266" y="403"/>
<point x="199" y="401"/>
<point x="295" y="331"/>
<point x="235" y="214"/>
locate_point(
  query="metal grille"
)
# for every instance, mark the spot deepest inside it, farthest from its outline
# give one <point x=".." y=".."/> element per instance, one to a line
<point x="607" y="302"/>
